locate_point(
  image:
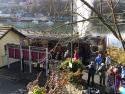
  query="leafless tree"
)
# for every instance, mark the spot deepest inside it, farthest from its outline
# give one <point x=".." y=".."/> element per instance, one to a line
<point x="115" y="31"/>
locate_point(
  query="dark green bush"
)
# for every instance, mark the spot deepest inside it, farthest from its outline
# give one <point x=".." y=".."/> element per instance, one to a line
<point x="76" y="66"/>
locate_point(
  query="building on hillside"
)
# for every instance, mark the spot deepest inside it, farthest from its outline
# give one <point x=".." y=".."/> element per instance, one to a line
<point x="8" y="35"/>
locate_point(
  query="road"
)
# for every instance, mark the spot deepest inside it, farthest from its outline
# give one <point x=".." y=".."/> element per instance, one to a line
<point x="13" y="81"/>
<point x="97" y="83"/>
<point x="9" y="86"/>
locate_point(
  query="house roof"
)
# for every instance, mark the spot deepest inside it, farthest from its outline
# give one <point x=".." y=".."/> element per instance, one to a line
<point x="94" y="40"/>
<point x="5" y="29"/>
<point x="41" y="35"/>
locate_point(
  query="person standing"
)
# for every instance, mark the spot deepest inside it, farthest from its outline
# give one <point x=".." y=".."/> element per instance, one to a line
<point x="98" y="60"/>
<point x="107" y="61"/>
<point x="117" y="82"/>
<point x="102" y="73"/>
<point x="66" y="54"/>
<point x="76" y="55"/>
<point x="110" y="79"/>
<point x="91" y="72"/>
<point x="123" y="73"/>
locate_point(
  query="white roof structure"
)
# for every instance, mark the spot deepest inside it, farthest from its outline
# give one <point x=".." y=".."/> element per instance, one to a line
<point x="42" y="35"/>
<point x="5" y="29"/>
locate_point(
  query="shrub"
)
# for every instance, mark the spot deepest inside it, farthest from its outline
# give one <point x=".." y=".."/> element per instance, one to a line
<point x="41" y="90"/>
<point x="64" y="65"/>
<point x="75" y="77"/>
<point x="76" y="66"/>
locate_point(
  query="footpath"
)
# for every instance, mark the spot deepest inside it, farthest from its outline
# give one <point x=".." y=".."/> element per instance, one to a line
<point x="84" y="90"/>
<point x="103" y="89"/>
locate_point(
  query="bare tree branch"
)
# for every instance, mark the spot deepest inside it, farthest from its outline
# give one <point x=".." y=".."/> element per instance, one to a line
<point x="115" y="22"/>
<point x="73" y="23"/>
<point x="101" y="19"/>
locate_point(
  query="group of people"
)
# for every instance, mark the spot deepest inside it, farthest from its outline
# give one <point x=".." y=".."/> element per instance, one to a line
<point x="109" y="74"/>
<point x="99" y="67"/>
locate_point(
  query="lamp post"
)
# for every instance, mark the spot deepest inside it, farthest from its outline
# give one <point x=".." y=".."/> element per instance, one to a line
<point x="72" y="32"/>
<point x="98" y="42"/>
<point x="71" y="36"/>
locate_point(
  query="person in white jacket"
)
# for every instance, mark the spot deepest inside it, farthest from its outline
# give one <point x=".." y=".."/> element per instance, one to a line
<point x="123" y="73"/>
<point x="107" y="61"/>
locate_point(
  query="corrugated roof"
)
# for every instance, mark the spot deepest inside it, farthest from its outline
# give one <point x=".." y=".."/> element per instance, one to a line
<point x="5" y="29"/>
<point x="40" y="35"/>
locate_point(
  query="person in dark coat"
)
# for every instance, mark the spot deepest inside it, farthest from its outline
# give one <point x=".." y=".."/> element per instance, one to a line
<point x="91" y="72"/>
<point x="102" y="73"/>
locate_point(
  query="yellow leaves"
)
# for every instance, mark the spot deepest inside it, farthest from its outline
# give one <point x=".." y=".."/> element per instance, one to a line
<point x="77" y="73"/>
<point x="34" y="88"/>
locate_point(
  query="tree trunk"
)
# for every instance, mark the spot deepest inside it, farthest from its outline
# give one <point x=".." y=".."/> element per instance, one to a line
<point x="100" y="17"/>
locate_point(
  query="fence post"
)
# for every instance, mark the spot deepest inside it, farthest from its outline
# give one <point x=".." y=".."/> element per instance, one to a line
<point x="7" y="54"/>
<point x="30" y="62"/>
<point x="46" y="61"/>
<point x="21" y="56"/>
